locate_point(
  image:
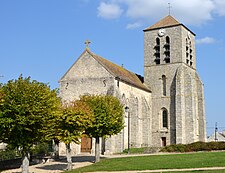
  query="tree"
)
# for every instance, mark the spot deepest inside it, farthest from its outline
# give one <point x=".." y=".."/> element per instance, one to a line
<point x="24" y="108"/>
<point x="108" y="118"/>
<point x="71" y="124"/>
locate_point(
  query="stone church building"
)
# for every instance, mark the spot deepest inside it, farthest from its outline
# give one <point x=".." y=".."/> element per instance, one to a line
<point x="166" y="106"/>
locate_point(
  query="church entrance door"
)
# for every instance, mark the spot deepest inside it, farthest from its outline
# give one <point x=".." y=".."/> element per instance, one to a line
<point x="163" y="141"/>
<point x="86" y="144"/>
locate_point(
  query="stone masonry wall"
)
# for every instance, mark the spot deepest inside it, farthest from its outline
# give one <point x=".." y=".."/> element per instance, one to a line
<point x="87" y="76"/>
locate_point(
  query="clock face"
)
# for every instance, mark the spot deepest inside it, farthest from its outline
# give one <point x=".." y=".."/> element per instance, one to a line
<point x="162" y="32"/>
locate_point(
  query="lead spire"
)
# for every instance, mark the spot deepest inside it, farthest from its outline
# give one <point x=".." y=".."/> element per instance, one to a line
<point x="169" y="7"/>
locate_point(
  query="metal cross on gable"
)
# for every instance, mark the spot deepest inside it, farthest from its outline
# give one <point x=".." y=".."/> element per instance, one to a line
<point x="87" y="42"/>
<point x="169" y="7"/>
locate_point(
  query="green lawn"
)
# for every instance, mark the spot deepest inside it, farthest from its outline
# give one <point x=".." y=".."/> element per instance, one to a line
<point x="171" y="161"/>
<point x="211" y="171"/>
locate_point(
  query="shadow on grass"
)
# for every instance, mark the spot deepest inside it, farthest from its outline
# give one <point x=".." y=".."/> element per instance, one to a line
<point x="62" y="163"/>
<point x="60" y="166"/>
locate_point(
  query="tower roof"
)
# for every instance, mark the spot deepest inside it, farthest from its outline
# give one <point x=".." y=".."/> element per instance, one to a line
<point x="165" y="22"/>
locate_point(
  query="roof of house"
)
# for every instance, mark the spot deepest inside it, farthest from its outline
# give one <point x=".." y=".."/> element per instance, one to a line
<point x="218" y="135"/>
<point x="120" y="72"/>
<point x="167" y="21"/>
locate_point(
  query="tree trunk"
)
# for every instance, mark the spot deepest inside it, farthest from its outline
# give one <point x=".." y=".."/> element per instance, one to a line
<point x="55" y="147"/>
<point x="68" y="156"/>
<point x="25" y="162"/>
<point x="97" y="150"/>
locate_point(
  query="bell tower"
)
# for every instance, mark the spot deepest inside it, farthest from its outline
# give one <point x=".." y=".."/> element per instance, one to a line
<point x="169" y="42"/>
<point x="178" y="112"/>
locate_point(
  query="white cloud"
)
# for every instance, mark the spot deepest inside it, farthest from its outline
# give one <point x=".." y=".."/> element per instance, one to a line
<point x="133" y="25"/>
<point x="191" y="12"/>
<point x="220" y="7"/>
<point x="205" y="40"/>
<point x="109" y="11"/>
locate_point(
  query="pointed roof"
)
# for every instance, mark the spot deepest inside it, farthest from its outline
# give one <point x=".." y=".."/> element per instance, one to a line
<point x="120" y="73"/>
<point x="165" y="22"/>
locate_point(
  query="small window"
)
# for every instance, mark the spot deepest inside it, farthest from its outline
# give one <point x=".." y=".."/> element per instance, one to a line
<point x="165" y="118"/>
<point x="164" y="85"/>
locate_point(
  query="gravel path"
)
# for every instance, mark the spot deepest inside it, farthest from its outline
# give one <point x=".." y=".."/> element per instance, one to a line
<point x="56" y="166"/>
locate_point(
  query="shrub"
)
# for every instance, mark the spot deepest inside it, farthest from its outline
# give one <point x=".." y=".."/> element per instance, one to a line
<point x="41" y="149"/>
<point x="135" y="150"/>
<point x="9" y="154"/>
<point x="196" y="146"/>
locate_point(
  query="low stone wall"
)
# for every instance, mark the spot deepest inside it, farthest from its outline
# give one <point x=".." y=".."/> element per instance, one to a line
<point x="10" y="164"/>
<point x="16" y="163"/>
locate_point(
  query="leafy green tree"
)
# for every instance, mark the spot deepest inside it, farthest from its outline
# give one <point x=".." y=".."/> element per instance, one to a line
<point x="71" y="124"/>
<point x="108" y="118"/>
<point x="25" y="105"/>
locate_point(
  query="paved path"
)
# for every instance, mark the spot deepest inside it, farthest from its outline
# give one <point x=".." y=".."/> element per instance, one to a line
<point x="81" y="160"/>
<point x="56" y="166"/>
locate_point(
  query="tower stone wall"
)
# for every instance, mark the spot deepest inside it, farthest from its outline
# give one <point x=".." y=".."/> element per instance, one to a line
<point x="177" y="91"/>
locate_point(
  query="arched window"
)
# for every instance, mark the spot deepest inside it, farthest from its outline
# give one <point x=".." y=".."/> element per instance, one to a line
<point x="157" y="51"/>
<point x="167" y="50"/>
<point x="164" y="85"/>
<point x="123" y="99"/>
<point x="190" y="52"/>
<point x="165" y="118"/>
<point x="189" y="59"/>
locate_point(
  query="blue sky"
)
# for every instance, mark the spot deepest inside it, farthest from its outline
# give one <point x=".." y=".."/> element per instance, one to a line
<point x="43" y="38"/>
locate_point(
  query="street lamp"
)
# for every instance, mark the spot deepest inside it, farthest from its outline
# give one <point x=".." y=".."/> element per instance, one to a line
<point x="128" y="116"/>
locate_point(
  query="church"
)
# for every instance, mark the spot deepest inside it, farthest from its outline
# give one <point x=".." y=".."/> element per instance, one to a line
<point x="163" y="107"/>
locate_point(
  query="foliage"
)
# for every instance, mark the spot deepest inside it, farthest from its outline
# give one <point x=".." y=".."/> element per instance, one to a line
<point x="154" y="162"/>
<point x="135" y="150"/>
<point x="24" y="107"/>
<point x="71" y="123"/>
<point x="9" y="154"/>
<point x="108" y="115"/>
<point x="196" y="146"/>
<point x="42" y="148"/>
<point x="143" y="150"/>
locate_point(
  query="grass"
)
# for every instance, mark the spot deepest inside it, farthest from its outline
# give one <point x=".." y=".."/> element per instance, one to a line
<point x="211" y="171"/>
<point x="154" y="162"/>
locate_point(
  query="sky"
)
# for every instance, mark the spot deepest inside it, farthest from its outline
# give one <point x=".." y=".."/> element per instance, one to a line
<point x="43" y="38"/>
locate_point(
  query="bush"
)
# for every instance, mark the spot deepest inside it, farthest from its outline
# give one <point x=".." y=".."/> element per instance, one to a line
<point x="9" y="154"/>
<point x="135" y="150"/>
<point x="41" y="149"/>
<point x="143" y="150"/>
<point x="196" y="146"/>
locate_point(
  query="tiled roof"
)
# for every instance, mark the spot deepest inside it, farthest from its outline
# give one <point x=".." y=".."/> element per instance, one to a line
<point x="165" y="22"/>
<point x="120" y="72"/>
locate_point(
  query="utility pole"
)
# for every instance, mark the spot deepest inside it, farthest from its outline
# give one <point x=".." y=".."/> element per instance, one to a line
<point x="216" y="129"/>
